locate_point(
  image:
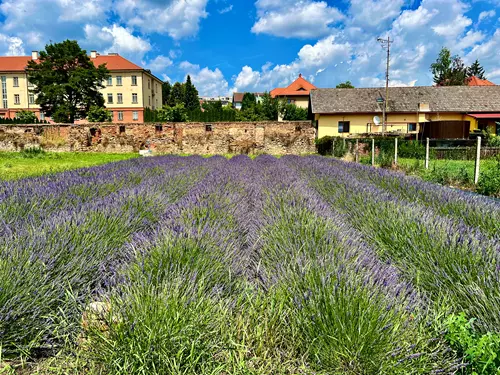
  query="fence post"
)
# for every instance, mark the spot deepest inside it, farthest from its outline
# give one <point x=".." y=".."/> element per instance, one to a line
<point x="396" y="151"/>
<point x="357" y="151"/>
<point x="373" y="151"/>
<point x="478" y="160"/>
<point x="333" y="147"/>
<point x="427" y="154"/>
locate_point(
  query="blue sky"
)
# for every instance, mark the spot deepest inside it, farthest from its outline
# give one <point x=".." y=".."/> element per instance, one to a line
<point x="257" y="45"/>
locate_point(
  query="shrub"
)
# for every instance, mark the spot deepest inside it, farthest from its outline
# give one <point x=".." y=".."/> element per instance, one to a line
<point x="290" y="112"/>
<point x="489" y="181"/>
<point x="26" y="117"/>
<point x="411" y="149"/>
<point x="324" y="145"/>
<point x="99" y="114"/>
<point x="32" y="152"/>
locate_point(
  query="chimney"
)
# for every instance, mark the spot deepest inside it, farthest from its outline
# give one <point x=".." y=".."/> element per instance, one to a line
<point x="93" y="54"/>
<point x="34" y="55"/>
<point x="300" y="75"/>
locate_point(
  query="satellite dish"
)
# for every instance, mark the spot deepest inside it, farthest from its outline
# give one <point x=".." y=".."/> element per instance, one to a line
<point x="376" y="120"/>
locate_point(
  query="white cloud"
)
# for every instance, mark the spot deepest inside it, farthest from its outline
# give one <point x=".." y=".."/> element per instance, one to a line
<point x="208" y="82"/>
<point x="486" y="14"/>
<point x="324" y="52"/>
<point x="378" y="82"/>
<point x="374" y="14"/>
<point x="78" y="10"/>
<point x="11" y="46"/>
<point x="454" y="28"/>
<point x="295" y="18"/>
<point x="177" y="18"/>
<point x="226" y="9"/>
<point x="117" y="39"/>
<point x="158" y="64"/>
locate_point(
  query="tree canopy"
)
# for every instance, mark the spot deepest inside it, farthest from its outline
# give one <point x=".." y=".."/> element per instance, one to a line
<point x="249" y="101"/>
<point x="191" y="98"/>
<point x="345" y="85"/>
<point x="99" y="114"/>
<point x="166" y="89"/>
<point x="66" y="82"/>
<point x="450" y="70"/>
<point x="476" y="70"/>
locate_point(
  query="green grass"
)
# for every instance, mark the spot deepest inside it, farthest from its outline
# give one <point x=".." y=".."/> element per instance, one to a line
<point x="15" y="165"/>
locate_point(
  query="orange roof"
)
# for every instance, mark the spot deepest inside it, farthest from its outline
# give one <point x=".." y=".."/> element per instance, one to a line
<point x="298" y="87"/>
<point x="475" y="81"/>
<point x="113" y="62"/>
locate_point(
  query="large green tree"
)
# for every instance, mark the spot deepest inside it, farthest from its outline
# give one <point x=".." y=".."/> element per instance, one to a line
<point x="345" y="85"/>
<point x="448" y="70"/>
<point x="66" y="82"/>
<point x="166" y="89"/>
<point x="476" y="70"/>
<point x="270" y="107"/>
<point x="191" y="98"/>
<point x="177" y="95"/>
<point x="249" y="101"/>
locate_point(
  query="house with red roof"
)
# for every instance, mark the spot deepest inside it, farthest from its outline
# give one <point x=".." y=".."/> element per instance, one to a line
<point x="127" y="93"/>
<point x="475" y="81"/>
<point x="296" y="93"/>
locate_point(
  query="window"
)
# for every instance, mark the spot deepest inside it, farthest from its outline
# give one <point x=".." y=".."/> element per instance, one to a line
<point x="4" y="92"/>
<point x="412" y="127"/>
<point x="134" y="98"/>
<point x="135" y="115"/>
<point x="208" y="127"/>
<point x="134" y="80"/>
<point x="118" y="80"/>
<point x="149" y="100"/>
<point x="149" y="83"/>
<point x="122" y="127"/>
<point x="16" y="81"/>
<point x="31" y="98"/>
<point x="344" y="126"/>
<point x="110" y="81"/>
<point x="42" y="116"/>
<point x="291" y="101"/>
<point x="158" y="128"/>
<point x="17" y="100"/>
<point x="110" y="98"/>
<point x="120" y="116"/>
<point x="119" y="98"/>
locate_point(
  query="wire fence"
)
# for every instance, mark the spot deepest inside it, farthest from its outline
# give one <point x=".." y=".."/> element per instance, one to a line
<point x="470" y="164"/>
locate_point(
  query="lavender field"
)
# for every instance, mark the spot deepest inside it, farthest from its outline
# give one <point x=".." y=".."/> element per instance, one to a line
<point x="297" y="265"/>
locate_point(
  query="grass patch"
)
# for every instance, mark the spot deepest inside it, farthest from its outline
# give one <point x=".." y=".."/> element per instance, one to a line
<point x="16" y="165"/>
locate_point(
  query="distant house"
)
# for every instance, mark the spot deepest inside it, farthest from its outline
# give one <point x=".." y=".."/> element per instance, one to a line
<point x="225" y="100"/>
<point x="238" y="98"/>
<point x="296" y="93"/>
<point x="475" y="81"/>
<point x="434" y="112"/>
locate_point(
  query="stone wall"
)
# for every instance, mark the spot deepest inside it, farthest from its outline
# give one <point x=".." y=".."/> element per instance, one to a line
<point x="277" y="138"/>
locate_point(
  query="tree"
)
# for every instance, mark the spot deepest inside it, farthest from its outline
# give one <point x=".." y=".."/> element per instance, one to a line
<point x="448" y="70"/>
<point x="345" y="85"/>
<point x="290" y="112"/>
<point x="177" y="95"/>
<point x="176" y="113"/>
<point x="26" y="117"/>
<point x="270" y="107"/>
<point x="476" y="70"/>
<point x="191" y="98"/>
<point x="248" y="101"/>
<point x="99" y="114"/>
<point x="66" y="82"/>
<point x="166" y="88"/>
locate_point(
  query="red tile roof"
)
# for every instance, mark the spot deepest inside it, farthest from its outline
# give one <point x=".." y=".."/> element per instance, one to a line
<point x="298" y="87"/>
<point x="475" y="81"/>
<point x="113" y="62"/>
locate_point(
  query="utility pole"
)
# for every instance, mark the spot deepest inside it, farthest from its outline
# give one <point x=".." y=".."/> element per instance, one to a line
<point x="386" y="44"/>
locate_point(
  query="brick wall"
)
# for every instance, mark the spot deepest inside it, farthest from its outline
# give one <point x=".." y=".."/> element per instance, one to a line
<point x="276" y="138"/>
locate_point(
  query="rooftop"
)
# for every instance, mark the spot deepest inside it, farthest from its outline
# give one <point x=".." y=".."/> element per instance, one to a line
<point x="475" y="81"/>
<point x="298" y="87"/>
<point x="407" y="99"/>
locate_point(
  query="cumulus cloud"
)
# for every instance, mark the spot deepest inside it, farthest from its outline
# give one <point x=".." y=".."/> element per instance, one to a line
<point x="296" y="18"/>
<point x="486" y="14"/>
<point x="208" y="82"/>
<point x="176" y="18"/>
<point x="226" y="9"/>
<point x="11" y="46"/>
<point x="158" y="64"/>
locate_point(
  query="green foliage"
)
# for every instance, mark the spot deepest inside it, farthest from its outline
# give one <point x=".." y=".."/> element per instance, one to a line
<point x="177" y="96"/>
<point x="448" y="70"/>
<point x="481" y="351"/>
<point x="411" y="149"/>
<point x="270" y="107"/>
<point x="166" y="89"/>
<point x="336" y="146"/>
<point x="489" y="181"/>
<point x="32" y="152"/>
<point x="99" y="114"/>
<point x="345" y="85"/>
<point x="476" y="70"/>
<point x="26" y="117"/>
<point x="172" y="114"/>
<point x="191" y="100"/>
<point x="290" y="112"/>
<point x="66" y="82"/>
<point x="248" y="102"/>
<point x="213" y="112"/>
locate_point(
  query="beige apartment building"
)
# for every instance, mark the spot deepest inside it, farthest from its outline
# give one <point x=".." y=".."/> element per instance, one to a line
<point x="127" y="93"/>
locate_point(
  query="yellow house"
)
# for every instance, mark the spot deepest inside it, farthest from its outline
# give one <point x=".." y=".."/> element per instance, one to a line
<point x="128" y="91"/>
<point x="434" y="112"/>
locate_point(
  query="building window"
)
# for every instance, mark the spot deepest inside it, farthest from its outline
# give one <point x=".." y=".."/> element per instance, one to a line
<point x="17" y="100"/>
<point x="135" y="115"/>
<point x="119" y="98"/>
<point x="134" y="80"/>
<point x="208" y="127"/>
<point x="158" y="128"/>
<point x="110" y="81"/>
<point x="16" y="81"/>
<point x="42" y="116"/>
<point x="110" y="98"/>
<point x="120" y="115"/>
<point x="122" y="127"/>
<point x="344" y="126"/>
<point x="4" y="92"/>
<point x="412" y="127"/>
<point x="291" y="101"/>
<point x="149" y="83"/>
<point x="134" y="98"/>
<point x="149" y="100"/>
<point x="118" y="80"/>
<point x="31" y="98"/>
